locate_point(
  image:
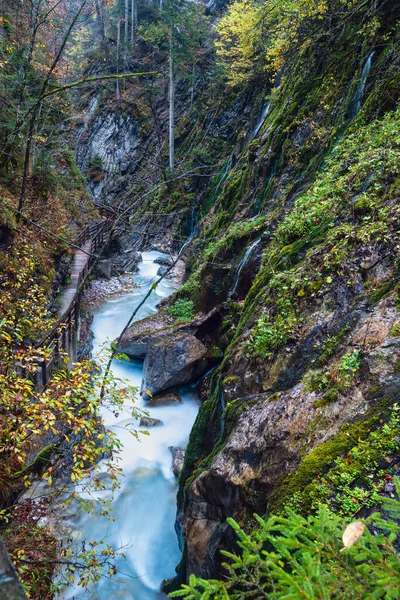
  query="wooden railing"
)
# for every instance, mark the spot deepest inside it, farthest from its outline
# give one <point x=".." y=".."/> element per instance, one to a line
<point x="64" y="335"/>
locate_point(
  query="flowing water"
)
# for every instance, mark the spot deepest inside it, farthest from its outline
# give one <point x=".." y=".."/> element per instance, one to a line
<point x="359" y="93"/>
<point x="144" y="508"/>
<point x="243" y="263"/>
<point x="261" y="120"/>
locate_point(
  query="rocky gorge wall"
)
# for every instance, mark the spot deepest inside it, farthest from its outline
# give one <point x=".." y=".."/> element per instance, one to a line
<point x="296" y="250"/>
<point x="298" y="243"/>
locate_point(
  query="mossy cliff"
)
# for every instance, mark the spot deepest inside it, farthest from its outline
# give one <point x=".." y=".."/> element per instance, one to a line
<point x="298" y="238"/>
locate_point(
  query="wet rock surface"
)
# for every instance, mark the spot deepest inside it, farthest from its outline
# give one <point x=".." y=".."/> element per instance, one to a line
<point x="150" y="422"/>
<point x="177" y="359"/>
<point x="178" y="456"/>
<point x="165" y="400"/>
<point x="272" y="431"/>
<point x="173" y="355"/>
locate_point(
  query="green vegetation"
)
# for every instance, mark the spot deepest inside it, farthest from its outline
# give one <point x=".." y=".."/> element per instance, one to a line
<point x="182" y="310"/>
<point x="290" y="556"/>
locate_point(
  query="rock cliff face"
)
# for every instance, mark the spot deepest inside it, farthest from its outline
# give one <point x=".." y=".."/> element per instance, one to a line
<point x="294" y="261"/>
<point x="107" y="148"/>
<point x="300" y="248"/>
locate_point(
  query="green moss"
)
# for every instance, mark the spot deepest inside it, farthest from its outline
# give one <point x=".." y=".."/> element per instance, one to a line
<point x="316" y="381"/>
<point x="199" y="440"/>
<point x="331" y="343"/>
<point x="231" y="380"/>
<point x="319" y="460"/>
<point x="363" y="205"/>
<point x="377" y="295"/>
<point x="328" y="398"/>
<point x="395" y="331"/>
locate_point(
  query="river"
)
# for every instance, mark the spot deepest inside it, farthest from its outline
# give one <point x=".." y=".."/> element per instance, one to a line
<point x="144" y="508"/>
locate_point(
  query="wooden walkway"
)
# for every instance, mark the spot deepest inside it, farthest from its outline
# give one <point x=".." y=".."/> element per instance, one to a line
<point x="79" y="263"/>
<point x="64" y="335"/>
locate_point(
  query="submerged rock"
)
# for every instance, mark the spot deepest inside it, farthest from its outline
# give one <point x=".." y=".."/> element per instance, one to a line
<point x="150" y="422"/>
<point x="162" y="271"/>
<point x="165" y="400"/>
<point x="178" y="456"/>
<point x="166" y="261"/>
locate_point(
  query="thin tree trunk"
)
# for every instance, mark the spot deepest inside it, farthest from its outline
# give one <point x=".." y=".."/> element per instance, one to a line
<point x="126" y="30"/>
<point x="32" y="121"/>
<point x="192" y="87"/>
<point x="118" y="44"/>
<point x="133" y="20"/>
<point x="171" y="106"/>
<point x="100" y="18"/>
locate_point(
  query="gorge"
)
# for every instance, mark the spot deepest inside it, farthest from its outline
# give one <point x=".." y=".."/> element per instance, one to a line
<point x="266" y="188"/>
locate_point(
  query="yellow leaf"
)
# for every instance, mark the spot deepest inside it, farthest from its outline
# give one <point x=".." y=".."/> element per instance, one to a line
<point x="353" y="533"/>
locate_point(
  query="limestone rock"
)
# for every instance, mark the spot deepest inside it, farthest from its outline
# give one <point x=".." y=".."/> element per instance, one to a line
<point x="178" y="456"/>
<point x="165" y="400"/>
<point x="149" y="422"/>
<point x="174" y="360"/>
<point x="166" y="261"/>
<point x="173" y="355"/>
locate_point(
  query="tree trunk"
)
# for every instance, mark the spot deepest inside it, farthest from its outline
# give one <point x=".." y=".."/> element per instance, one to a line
<point x="171" y="106"/>
<point x="126" y="39"/>
<point x="118" y="44"/>
<point x="102" y="28"/>
<point x="31" y="130"/>
<point x="133" y="20"/>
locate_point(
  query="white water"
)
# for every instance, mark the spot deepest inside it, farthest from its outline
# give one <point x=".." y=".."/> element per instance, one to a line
<point x="359" y="93"/>
<point x="243" y="262"/>
<point x="144" y="508"/>
<point x="264" y="115"/>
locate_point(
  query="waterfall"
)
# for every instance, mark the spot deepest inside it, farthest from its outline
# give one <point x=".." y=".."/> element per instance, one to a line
<point x="224" y="175"/>
<point x="264" y="115"/>
<point x="243" y="262"/>
<point x="359" y="93"/>
<point x="194" y="226"/>
<point x="266" y="109"/>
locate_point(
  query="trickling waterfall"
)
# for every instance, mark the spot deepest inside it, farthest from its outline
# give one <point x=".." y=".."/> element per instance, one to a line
<point x="224" y="175"/>
<point x="223" y="406"/>
<point x="359" y="93"/>
<point x="264" y="115"/>
<point x="194" y="226"/>
<point x="243" y="262"/>
<point x="266" y="109"/>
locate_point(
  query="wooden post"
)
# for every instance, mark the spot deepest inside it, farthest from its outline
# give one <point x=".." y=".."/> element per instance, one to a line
<point x="44" y="373"/>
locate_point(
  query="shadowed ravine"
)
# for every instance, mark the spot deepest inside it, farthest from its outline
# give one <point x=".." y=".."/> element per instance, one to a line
<point x="145" y="506"/>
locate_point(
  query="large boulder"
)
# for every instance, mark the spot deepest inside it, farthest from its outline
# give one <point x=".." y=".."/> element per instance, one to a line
<point x="174" y="353"/>
<point x="174" y="360"/>
<point x="136" y="338"/>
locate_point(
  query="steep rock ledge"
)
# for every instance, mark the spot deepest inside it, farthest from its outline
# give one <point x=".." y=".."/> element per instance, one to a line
<point x="174" y="354"/>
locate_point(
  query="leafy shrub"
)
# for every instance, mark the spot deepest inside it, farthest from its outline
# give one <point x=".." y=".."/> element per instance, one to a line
<point x="290" y="556"/>
<point x="182" y="310"/>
